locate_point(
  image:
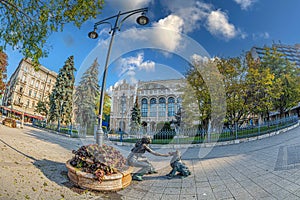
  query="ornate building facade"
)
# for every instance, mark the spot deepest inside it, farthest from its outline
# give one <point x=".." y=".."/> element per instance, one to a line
<point x="158" y="102"/>
<point x="26" y="87"/>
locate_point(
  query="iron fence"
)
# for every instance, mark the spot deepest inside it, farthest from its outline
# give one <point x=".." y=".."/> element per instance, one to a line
<point x="195" y="136"/>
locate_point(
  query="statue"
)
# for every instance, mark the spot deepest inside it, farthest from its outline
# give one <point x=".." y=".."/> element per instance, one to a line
<point x="136" y="158"/>
<point x="178" y="166"/>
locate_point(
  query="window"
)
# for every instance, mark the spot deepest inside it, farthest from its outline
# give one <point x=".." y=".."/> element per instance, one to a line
<point x="162" y="107"/>
<point x="153" y="107"/>
<point x="33" y="104"/>
<point x="144" y="107"/>
<point x="32" y="81"/>
<point x="37" y="84"/>
<point x="171" y="107"/>
<point x="29" y="93"/>
<point x="24" y="79"/>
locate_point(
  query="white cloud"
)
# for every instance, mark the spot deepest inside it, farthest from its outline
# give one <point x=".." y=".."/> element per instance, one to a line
<point x="218" y="25"/>
<point x="190" y="11"/>
<point x="169" y="39"/>
<point x="245" y="4"/>
<point x="264" y="35"/>
<point x="130" y="65"/>
<point x="196" y="58"/>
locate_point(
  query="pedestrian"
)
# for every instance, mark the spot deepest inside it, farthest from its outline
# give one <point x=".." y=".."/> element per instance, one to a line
<point x="136" y="158"/>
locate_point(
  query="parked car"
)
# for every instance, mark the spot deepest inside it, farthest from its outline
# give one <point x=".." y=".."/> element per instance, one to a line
<point x="9" y="122"/>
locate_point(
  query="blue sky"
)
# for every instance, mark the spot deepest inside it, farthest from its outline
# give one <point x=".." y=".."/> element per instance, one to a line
<point x="178" y="30"/>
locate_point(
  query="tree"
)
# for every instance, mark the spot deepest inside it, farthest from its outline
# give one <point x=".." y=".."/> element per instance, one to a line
<point x="234" y="73"/>
<point x="3" y="68"/>
<point x="26" y="25"/>
<point x="262" y="88"/>
<point x="85" y="98"/>
<point x="41" y="108"/>
<point x="196" y="103"/>
<point x="135" y="117"/>
<point x="61" y="101"/>
<point x="286" y="76"/>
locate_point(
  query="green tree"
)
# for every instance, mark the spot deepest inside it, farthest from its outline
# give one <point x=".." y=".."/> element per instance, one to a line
<point x="3" y="68"/>
<point x="234" y="73"/>
<point x="261" y="88"/>
<point x="61" y="101"/>
<point x="196" y="102"/>
<point x="41" y="108"/>
<point x="286" y="78"/>
<point x="85" y="98"/>
<point x="26" y="25"/>
<point x="135" y="117"/>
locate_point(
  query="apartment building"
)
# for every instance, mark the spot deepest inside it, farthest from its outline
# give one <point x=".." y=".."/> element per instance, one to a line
<point x="25" y="88"/>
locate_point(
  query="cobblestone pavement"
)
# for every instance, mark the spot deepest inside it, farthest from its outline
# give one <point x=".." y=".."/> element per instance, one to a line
<point x="32" y="164"/>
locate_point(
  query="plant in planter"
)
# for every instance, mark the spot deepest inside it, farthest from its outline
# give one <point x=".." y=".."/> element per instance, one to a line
<point x="98" y="160"/>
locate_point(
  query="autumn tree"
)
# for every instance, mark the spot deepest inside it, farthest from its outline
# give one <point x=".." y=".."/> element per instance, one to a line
<point x="26" y="25"/>
<point x="3" y="68"/>
<point x="61" y="101"/>
<point x="234" y="73"/>
<point x="85" y="98"/>
<point x="286" y="76"/>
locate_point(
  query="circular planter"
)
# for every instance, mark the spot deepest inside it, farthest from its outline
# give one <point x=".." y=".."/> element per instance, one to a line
<point x="112" y="182"/>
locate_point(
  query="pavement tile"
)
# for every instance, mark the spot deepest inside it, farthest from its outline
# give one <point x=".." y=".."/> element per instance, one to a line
<point x="169" y="196"/>
<point x="172" y="190"/>
<point x="188" y="197"/>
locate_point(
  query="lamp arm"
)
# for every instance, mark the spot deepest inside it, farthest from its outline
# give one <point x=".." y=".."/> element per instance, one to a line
<point x="102" y="22"/>
<point x="121" y="22"/>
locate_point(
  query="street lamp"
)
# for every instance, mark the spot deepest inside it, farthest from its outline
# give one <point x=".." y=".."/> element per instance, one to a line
<point x="142" y="20"/>
<point x="123" y="101"/>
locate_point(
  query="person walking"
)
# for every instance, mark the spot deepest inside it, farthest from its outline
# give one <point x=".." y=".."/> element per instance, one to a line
<point x="137" y="159"/>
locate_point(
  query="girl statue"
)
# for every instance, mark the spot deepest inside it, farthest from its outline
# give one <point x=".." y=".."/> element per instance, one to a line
<point x="136" y="158"/>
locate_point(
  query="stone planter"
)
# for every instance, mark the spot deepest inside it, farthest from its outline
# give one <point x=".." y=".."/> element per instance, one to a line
<point x="112" y="182"/>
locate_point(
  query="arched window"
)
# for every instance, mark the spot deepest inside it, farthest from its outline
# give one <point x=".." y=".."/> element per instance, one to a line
<point x="144" y="107"/>
<point x="153" y="109"/>
<point x="162" y="107"/>
<point x="171" y="107"/>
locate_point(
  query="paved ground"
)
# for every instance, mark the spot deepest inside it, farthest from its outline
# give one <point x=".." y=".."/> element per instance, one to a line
<point x="32" y="167"/>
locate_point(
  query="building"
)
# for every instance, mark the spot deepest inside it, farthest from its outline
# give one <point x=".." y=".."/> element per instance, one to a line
<point x="158" y="101"/>
<point x="291" y="53"/>
<point x="25" y="88"/>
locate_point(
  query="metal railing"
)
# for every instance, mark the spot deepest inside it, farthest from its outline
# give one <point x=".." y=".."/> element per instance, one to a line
<point x="195" y="136"/>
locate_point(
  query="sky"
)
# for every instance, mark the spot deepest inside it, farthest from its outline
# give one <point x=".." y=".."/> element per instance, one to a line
<point x="178" y="32"/>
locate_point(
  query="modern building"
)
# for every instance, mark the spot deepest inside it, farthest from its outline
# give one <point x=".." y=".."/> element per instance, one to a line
<point x="25" y="88"/>
<point x="290" y="52"/>
<point x="158" y="101"/>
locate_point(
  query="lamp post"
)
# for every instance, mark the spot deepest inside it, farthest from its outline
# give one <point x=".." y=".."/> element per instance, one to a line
<point x="123" y="101"/>
<point x="141" y="20"/>
<point x="23" y="116"/>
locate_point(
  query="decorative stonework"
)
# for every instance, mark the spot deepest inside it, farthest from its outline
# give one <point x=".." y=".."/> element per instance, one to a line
<point x="112" y="182"/>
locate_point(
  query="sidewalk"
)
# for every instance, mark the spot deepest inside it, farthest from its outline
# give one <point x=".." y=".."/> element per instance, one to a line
<point x="32" y="167"/>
